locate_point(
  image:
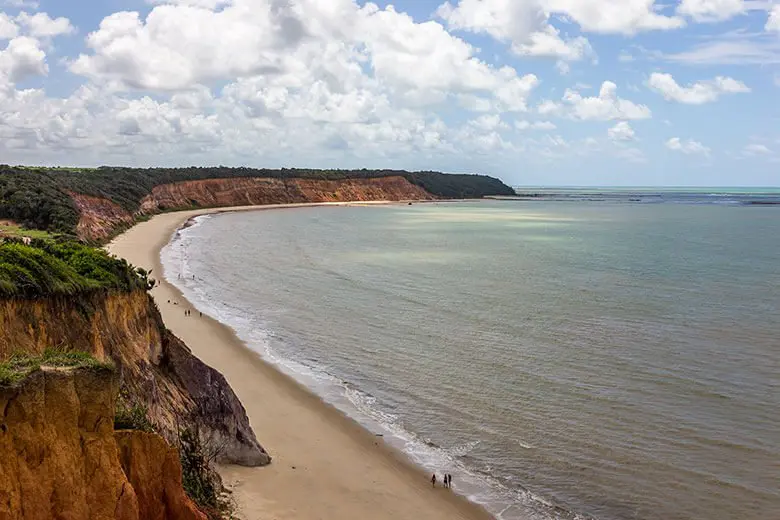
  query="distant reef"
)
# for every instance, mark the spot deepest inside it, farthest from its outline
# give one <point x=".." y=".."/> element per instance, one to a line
<point x="96" y="204"/>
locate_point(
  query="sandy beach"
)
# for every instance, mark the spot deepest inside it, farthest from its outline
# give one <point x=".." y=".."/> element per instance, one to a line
<point x="325" y="465"/>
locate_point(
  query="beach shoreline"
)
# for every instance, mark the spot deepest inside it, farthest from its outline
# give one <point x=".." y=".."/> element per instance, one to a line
<point x="325" y="464"/>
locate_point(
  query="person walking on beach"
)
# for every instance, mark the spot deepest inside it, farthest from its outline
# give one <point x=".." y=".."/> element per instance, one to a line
<point x="433" y="480"/>
<point x="449" y="481"/>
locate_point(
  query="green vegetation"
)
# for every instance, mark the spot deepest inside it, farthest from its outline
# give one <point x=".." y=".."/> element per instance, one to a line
<point x="201" y="483"/>
<point x="38" y="197"/>
<point x="36" y="200"/>
<point x="199" y="479"/>
<point x="131" y="416"/>
<point x="8" y="230"/>
<point x="19" y="366"/>
<point x="49" y="268"/>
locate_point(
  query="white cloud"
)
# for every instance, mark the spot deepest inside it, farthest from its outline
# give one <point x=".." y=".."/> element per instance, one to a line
<point x="441" y="62"/>
<point x="489" y="123"/>
<point x="548" y="44"/>
<point x="621" y="132"/>
<point x="618" y="17"/>
<point x="606" y="106"/>
<point x="8" y="28"/>
<point x="689" y="147"/>
<point x="711" y="10"/>
<point x="23" y="4"/>
<point x="23" y="57"/>
<point x="696" y="93"/>
<point x="773" y="22"/>
<point x="536" y="125"/>
<point x="755" y="149"/>
<point x="41" y="25"/>
<point x="522" y="23"/>
<point x="180" y="46"/>
<point x="475" y="103"/>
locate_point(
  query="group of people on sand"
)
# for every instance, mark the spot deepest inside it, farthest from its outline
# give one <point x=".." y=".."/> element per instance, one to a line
<point x="447" y="480"/>
<point x="187" y="312"/>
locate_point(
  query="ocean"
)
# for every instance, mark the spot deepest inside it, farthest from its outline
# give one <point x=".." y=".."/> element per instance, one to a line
<point x="594" y="354"/>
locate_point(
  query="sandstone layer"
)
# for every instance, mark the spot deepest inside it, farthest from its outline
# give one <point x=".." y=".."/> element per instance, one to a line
<point x="156" y="369"/>
<point x="100" y="218"/>
<point x="61" y="459"/>
<point x="58" y="457"/>
<point x="153" y="469"/>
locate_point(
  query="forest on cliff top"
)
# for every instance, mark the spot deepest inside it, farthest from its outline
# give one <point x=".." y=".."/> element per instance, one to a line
<point x="46" y="268"/>
<point x="38" y="198"/>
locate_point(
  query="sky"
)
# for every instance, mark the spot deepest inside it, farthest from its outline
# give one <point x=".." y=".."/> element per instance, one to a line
<point x="536" y="92"/>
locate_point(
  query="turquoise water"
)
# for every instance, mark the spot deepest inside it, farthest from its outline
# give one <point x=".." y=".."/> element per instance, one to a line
<point x="561" y="359"/>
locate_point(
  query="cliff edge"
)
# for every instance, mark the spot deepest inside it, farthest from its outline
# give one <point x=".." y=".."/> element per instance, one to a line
<point x="156" y="370"/>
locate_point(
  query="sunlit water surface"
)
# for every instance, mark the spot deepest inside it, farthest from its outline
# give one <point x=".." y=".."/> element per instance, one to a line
<point x="562" y="360"/>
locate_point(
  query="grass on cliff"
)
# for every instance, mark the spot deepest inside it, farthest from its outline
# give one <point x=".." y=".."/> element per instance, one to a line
<point x="19" y="366"/>
<point x="10" y="230"/>
<point x="50" y="268"/>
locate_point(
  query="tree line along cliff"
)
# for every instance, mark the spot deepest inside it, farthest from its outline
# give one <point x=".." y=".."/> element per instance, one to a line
<point x="57" y="199"/>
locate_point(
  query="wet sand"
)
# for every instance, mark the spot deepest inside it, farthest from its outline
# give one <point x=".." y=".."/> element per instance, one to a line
<point x="325" y="465"/>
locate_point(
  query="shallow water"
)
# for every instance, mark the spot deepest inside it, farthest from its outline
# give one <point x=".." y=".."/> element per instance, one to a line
<point x="560" y="359"/>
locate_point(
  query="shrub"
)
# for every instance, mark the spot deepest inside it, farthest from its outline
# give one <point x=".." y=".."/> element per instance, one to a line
<point x="50" y="268"/>
<point x="19" y="366"/>
<point x="132" y="417"/>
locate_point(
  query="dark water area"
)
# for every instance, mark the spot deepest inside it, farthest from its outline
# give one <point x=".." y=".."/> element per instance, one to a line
<point x="563" y="359"/>
<point x="740" y="196"/>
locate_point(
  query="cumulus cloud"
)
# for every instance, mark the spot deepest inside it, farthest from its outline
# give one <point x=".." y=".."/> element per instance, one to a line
<point x="178" y="46"/>
<point x="41" y="25"/>
<point x="711" y="10"/>
<point x="23" y="57"/>
<point x="606" y="106"/>
<point x="689" y="147"/>
<point x="8" y="28"/>
<point x="624" y="17"/>
<point x="621" y="132"/>
<point x="524" y="24"/>
<point x="489" y="123"/>
<point x="696" y="93"/>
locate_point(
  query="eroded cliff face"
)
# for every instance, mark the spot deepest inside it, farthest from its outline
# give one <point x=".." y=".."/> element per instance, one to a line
<point x="156" y="369"/>
<point x="58" y="457"/>
<point x="100" y="218"/>
<point x="61" y="459"/>
<point x="153" y="469"/>
<point x="258" y="191"/>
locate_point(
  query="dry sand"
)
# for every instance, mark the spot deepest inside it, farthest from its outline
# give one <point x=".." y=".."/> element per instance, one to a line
<point x="325" y="466"/>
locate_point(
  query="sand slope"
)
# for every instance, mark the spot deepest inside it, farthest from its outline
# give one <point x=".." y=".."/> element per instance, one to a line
<point x="325" y="465"/>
